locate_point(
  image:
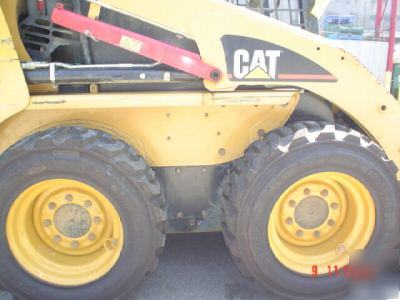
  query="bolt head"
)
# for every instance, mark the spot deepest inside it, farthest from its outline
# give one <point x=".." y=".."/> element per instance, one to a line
<point x="317" y="234"/>
<point x="307" y="191"/>
<point x="289" y="221"/>
<point x="52" y="205"/>
<point x="46" y="223"/>
<point x="331" y="222"/>
<point x="299" y="233"/>
<point x="91" y="237"/>
<point x="68" y="197"/>
<point x="292" y="203"/>
<point x="111" y="243"/>
<point x="88" y="203"/>
<point x="334" y="205"/>
<point x="56" y="239"/>
<point x="341" y="248"/>
<point x="324" y="193"/>
<point x="97" y="220"/>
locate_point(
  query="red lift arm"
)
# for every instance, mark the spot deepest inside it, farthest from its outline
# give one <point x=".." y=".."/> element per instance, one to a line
<point x="164" y="53"/>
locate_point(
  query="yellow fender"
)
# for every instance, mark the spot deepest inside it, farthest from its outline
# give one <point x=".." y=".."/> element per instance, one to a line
<point x="14" y="93"/>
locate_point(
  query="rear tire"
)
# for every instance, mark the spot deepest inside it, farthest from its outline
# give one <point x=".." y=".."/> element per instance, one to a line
<point x="268" y="170"/>
<point x="104" y="163"/>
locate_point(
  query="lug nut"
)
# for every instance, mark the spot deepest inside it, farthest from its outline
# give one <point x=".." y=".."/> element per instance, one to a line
<point x="331" y="223"/>
<point x="52" y="205"/>
<point x="324" y="193"/>
<point x="56" y="239"/>
<point x="299" y="233"/>
<point x="88" y="203"/>
<point x="292" y="203"/>
<point x="97" y="220"/>
<point x="307" y="192"/>
<point x="46" y="223"/>
<point x="289" y="221"/>
<point x="334" y="205"/>
<point x="74" y="244"/>
<point x="91" y="237"/>
<point x="317" y="234"/>
<point x="68" y="197"/>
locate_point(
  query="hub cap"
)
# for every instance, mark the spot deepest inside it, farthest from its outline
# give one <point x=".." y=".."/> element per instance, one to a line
<point x="71" y="234"/>
<point x="320" y="220"/>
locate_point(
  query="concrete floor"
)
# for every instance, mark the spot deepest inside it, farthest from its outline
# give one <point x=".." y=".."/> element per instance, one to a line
<point x="197" y="267"/>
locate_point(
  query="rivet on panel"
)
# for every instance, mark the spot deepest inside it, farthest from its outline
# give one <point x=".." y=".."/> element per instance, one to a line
<point x="261" y="132"/>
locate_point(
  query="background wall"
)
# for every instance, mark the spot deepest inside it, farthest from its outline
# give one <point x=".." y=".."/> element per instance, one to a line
<point x="365" y="10"/>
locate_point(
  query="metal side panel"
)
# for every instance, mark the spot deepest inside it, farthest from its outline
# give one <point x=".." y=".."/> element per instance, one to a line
<point x="14" y="94"/>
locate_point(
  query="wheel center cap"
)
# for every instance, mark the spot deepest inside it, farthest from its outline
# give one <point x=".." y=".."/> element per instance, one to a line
<point x="72" y="220"/>
<point x="311" y="212"/>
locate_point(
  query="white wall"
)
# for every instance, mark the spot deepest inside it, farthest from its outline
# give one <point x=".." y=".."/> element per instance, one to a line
<point x="370" y="53"/>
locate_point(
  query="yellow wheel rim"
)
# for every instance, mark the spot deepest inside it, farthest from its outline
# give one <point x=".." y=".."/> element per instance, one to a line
<point x="64" y="232"/>
<point x="321" y="220"/>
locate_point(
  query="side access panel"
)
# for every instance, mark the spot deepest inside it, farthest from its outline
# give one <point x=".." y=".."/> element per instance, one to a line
<point x="14" y="93"/>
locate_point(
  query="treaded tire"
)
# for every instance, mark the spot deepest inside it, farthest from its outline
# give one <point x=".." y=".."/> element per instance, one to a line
<point x="269" y="167"/>
<point x="112" y="167"/>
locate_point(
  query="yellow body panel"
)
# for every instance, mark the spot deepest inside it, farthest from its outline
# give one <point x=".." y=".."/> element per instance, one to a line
<point x="14" y="94"/>
<point x="191" y="128"/>
<point x="356" y="92"/>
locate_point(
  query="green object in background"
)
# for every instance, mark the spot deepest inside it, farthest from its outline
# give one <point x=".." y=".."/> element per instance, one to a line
<point x="396" y="80"/>
<point x="342" y="27"/>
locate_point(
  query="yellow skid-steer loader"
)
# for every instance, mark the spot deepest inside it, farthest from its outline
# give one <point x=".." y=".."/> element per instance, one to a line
<point x="124" y="120"/>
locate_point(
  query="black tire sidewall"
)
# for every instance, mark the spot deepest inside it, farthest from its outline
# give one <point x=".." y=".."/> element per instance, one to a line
<point x="18" y="174"/>
<point x="277" y="177"/>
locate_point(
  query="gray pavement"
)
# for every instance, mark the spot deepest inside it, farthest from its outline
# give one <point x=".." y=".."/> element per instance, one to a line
<point x="197" y="267"/>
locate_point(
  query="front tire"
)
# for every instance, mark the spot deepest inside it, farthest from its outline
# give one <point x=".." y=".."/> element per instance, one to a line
<point x="82" y="216"/>
<point x="309" y="194"/>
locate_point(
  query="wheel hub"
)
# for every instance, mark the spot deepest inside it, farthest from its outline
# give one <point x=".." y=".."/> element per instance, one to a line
<point x="72" y="220"/>
<point x="311" y="212"/>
